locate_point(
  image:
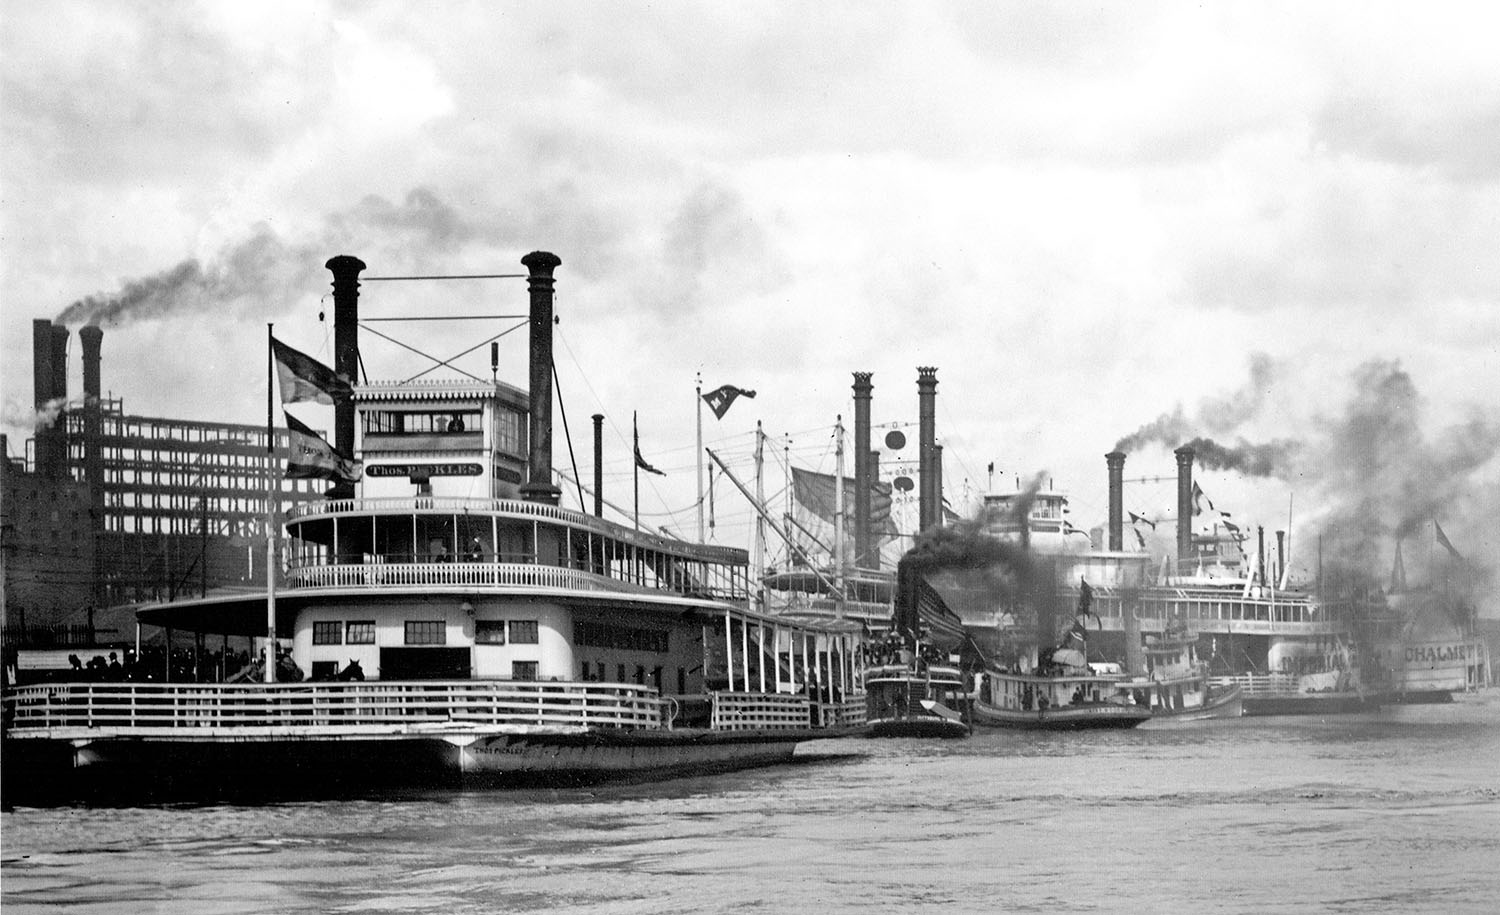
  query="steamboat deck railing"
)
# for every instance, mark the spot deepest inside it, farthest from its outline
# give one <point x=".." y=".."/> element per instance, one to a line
<point x="1267" y="686"/>
<point x="495" y="574"/>
<point x="149" y="709"/>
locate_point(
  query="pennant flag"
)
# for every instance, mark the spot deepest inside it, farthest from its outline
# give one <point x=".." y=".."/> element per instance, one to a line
<point x="719" y="399"/>
<point x="301" y="377"/>
<point x="312" y="458"/>
<point x="1139" y="537"/>
<point x="1197" y="499"/>
<point x="640" y="461"/>
<point x="1443" y="539"/>
<point x="1085" y="598"/>
<point x="1137" y="519"/>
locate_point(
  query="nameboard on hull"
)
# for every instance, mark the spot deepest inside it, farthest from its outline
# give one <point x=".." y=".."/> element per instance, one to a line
<point x="423" y="470"/>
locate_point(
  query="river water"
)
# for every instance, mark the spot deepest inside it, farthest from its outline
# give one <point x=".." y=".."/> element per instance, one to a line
<point x="1390" y="811"/>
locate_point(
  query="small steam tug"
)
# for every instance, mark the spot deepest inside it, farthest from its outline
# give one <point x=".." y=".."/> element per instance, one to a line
<point x="449" y="622"/>
<point x="1062" y="692"/>
<point x="1176" y="684"/>
<point x="913" y="687"/>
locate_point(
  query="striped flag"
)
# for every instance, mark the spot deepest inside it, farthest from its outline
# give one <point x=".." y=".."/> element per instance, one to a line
<point x="302" y="378"/>
<point x="312" y="458"/>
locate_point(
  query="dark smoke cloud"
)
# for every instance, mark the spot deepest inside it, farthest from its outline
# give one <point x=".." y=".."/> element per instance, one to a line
<point x="1365" y="474"/>
<point x="987" y="575"/>
<point x="1254" y="460"/>
<point x="264" y="271"/>
<point x="1214" y="416"/>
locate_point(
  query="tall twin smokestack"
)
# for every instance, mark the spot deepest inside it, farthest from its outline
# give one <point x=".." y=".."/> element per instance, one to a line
<point x="49" y="352"/>
<point x="929" y="490"/>
<point x="1115" y="460"/>
<point x="1184" y="504"/>
<point x="864" y="554"/>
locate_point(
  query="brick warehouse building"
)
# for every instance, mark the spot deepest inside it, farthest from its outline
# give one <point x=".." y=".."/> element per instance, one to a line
<point x="103" y="508"/>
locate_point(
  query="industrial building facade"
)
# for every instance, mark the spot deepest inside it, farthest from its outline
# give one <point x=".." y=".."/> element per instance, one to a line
<point x="104" y="508"/>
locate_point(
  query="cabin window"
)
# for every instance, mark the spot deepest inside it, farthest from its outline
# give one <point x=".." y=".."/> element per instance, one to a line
<point x="640" y="674"/>
<point x="360" y="632"/>
<point x="489" y="632"/>
<point x="600" y="668"/>
<point x="620" y="673"/>
<point x="426" y="632"/>
<point x="420" y="423"/>
<point x="523" y="670"/>
<point x="510" y="431"/>
<point x="328" y="633"/>
<point x="523" y="632"/>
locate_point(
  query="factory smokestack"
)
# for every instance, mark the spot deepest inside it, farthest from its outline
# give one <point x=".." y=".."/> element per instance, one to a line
<point x="926" y="438"/>
<point x="862" y="481"/>
<point x="599" y="465"/>
<point x="1184" y="505"/>
<point x="41" y="387"/>
<point x="91" y="338"/>
<point x="538" y="486"/>
<point x="1115" y="461"/>
<point x="345" y="271"/>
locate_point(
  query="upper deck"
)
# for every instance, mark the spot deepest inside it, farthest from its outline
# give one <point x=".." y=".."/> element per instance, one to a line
<point x="441" y="541"/>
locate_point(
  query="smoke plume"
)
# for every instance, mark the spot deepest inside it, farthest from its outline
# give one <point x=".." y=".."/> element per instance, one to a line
<point x="1367" y="473"/>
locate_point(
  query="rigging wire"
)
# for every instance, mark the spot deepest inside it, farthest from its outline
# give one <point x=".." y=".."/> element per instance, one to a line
<point x="582" y="505"/>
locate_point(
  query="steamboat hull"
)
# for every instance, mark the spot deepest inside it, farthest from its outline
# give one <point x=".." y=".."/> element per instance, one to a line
<point x="924" y="726"/>
<point x="1078" y="717"/>
<point x="142" y="769"/>
<point x="1310" y="704"/>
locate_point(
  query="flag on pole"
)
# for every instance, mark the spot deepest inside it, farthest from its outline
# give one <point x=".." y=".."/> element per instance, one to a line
<point x="1137" y="519"/>
<point x="312" y="458"/>
<point x="720" y="398"/>
<point x="1442" y="538"/>
<point x="301" y="377"/>
<point x="1197" y="498"/>
<point x="640" y="461"/>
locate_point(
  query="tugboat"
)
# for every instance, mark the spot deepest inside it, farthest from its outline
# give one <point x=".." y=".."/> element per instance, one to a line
<point x="1062" y="692"/>
<point x="1176" y="683"/>
<point x="501" y="637"/>
<point x="913" y="688"/>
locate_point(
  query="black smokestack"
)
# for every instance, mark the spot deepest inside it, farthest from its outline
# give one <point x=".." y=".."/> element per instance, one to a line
<point x="599" y="465"/>
<point x="1280" y="554"/>
<point x="862" y="390"/>
<point x="345" y="271"/>
<point x="926" y="438"/>
<point x="42" y="397"/>
<point x="1184" y="503"/>
<point x="1115" y="461"/>
<point x="538" y="486"/>
<point x="91" y="338"/>
<point x="872" y="560"/>
<point x="937" y="484"/>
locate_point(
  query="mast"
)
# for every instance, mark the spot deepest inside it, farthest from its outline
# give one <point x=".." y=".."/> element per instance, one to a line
<point x="270" y="516"/>
<point x="698" y="454"/>
<point x="761" y="510"/>
<point x="758" y="556"/>
<point x="838" y="519"/>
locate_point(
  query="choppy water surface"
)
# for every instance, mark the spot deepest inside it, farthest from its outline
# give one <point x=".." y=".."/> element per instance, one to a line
<point x="1397" y="811"/>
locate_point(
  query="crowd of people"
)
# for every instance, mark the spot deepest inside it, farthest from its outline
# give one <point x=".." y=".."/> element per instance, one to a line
<point x="154" y="665"/>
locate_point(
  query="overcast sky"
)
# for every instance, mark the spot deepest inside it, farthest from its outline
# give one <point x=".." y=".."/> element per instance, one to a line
<point x="1281" y="220"/>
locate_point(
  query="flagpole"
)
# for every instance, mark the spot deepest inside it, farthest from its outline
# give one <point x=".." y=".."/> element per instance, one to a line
<point x="635" y="431"/>
<point x="698" y="454"/>
<point x="270" y="512"/>
<point x="838" y="519"/>
<point x="759" y="544"/>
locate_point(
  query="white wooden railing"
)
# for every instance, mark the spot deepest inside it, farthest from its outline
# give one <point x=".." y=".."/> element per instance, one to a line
<point x="759" y="711"/>
<point x="499" y="574"/>
<point x="123" y="708"/>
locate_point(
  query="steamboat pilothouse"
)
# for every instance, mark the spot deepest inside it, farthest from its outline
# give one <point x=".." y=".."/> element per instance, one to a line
<point x="497" y="633"/>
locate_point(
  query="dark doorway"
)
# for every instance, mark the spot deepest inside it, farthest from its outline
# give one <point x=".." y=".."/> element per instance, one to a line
<point x="424" y="663"/>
